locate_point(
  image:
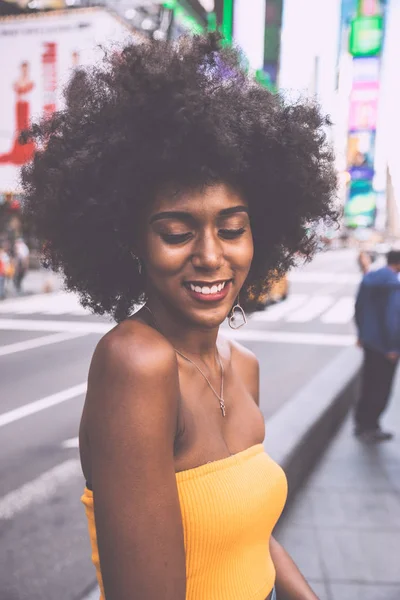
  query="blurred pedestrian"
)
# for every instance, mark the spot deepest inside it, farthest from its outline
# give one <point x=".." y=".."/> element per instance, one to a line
<point x="378" y="323"/>
<point x="167" y="182"/>
<point x="21" y="263"/>
<point x="364" y="261"/>
<point x="4" y="270"/>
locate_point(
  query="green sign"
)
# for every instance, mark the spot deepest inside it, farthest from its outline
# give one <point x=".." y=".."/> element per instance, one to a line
<point x="360" y="208"/>
<point x="366" y="36"/>
<point x="184" y="16"/>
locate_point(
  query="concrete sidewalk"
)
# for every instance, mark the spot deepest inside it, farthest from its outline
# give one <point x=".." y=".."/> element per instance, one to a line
<point x="343" y="527"/>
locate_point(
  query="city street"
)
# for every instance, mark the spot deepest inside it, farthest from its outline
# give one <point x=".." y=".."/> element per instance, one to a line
<point x="46" y="345"/>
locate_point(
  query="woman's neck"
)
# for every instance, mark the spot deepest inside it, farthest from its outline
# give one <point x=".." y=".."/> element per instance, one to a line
<point x="190" y="340"/>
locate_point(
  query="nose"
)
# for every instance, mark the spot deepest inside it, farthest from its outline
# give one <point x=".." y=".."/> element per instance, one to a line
<point x="208" y="254"/>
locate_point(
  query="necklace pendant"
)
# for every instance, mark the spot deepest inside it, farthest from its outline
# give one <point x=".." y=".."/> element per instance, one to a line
<point x="222" y="406"/>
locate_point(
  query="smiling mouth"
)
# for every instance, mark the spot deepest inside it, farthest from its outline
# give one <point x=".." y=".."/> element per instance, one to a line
<point x="207" y="289"/>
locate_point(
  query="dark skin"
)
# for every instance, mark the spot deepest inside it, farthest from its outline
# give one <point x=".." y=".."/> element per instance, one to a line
<point x="135" y="445"/>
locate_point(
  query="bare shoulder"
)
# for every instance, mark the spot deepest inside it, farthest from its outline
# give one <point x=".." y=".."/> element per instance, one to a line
<point x="245" y="356"/>
<point x="132" y="364"/>
<point x="134" y="347"/>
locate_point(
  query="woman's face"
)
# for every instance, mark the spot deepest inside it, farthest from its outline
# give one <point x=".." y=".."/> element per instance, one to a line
<point x="198" y="251"/>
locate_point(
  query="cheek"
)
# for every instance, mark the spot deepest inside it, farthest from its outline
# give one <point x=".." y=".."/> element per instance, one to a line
<point x="164" y="260"/>
<point x="244" y="253"/>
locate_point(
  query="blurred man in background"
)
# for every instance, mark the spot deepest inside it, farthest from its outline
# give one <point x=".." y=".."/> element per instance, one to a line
<point x="378" y="323"/>
<point x="21" y="257"/>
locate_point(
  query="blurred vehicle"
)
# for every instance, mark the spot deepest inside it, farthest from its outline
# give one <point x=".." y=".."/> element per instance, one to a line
<point x="278" y="291"/>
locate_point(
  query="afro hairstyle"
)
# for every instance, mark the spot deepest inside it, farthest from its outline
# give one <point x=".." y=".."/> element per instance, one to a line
<point x="188" y="114"/>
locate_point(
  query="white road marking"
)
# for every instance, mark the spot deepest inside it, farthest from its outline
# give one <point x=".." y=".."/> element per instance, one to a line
<point x="93" y="595"/>
<point x="311" y="310"/>
<point x="53" y="304"/>
<point x="261" y="335"/>
<point x="38" y="405"/>
<point x="289" y="337"/>
<point x="38" y="489"/>
<point x="71" y="443"/>
<point x="342" y="312"/>
<point x="277" y="311"/>
<point x="44" y="340"/>
<point x="323" y="277"/>
<point x="10" y="304"/>
<point x="71" y="326"/>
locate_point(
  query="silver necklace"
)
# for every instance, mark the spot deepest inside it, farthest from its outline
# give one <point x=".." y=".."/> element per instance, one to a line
<point x="219" y="396"/>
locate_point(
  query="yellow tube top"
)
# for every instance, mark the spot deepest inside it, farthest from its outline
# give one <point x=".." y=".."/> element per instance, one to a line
<point x="229" y="508"/>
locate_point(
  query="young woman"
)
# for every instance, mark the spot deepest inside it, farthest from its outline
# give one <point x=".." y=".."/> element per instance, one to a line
<point x="175" y="182"/>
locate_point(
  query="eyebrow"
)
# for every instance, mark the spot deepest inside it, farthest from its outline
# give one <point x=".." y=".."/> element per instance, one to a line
<point x="186" y="216"/>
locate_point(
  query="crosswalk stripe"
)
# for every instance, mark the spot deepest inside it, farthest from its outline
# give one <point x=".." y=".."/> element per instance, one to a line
<point x="323" y="277"/>
<point x="292" y="337"/>
<point x="277" y="311"/>
<point x="38" y="342"/>
<point x="50" y="304"/>
<point x="312" y="309"/>
<point x="38" y="405"/>
<point x="342" y="312"/>
<point x="94" y="594"/>
<point x="53" y="325"/>
<point x="71" y="443"/>
<point x="39" y="489"/>
<point x="298" y="308"/>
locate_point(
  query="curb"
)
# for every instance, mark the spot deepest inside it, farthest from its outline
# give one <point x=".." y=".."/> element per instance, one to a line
<point x="297" y="434"/>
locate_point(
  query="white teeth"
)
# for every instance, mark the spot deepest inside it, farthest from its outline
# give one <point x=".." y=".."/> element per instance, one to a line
<point x="215" y="289"/>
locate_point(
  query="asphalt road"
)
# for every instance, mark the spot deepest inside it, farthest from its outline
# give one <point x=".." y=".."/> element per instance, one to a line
<point x="46" y="342"/>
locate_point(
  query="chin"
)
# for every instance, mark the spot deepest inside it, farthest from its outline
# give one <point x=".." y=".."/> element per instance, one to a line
<point x="208" y="320"/>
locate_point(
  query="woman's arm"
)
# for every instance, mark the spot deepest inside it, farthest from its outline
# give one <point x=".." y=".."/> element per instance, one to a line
<point x="290" y="583"/>
<point x="131" y="415"/>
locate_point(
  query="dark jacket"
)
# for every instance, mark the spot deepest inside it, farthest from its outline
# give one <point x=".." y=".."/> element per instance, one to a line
<point x="378" y="311"/>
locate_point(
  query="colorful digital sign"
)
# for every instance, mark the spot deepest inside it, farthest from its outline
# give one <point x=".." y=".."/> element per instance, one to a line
<point x="360" y="209"/>
<point x="364" y="106"/>
<point x="366" y="36"/>
<point x="365" y="45"/>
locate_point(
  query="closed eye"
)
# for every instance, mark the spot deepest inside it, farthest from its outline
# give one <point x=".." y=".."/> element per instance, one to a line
<point x="231" y="234"/>
<point x="176" y="238"/>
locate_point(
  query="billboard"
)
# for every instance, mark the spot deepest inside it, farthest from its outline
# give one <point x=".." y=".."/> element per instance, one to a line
<point x="360" y="208"/>
<point x="364" y="106"/>
<point x="39" y="54"/>
<point x="366" y="36"/>
<point x="365" y="45"/>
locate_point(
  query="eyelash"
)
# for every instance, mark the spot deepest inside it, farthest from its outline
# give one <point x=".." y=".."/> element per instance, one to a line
<point x="180" y="238"/>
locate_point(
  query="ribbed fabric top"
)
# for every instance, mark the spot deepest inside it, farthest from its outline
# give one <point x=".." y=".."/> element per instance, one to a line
<point x="229" y="508"/>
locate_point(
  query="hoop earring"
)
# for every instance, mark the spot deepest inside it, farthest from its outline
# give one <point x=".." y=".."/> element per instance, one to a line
<point x="138" y="263"/>
<point x="237" y="316"/>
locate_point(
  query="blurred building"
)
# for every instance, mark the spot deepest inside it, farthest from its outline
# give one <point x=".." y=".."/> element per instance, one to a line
<point x="312" y="47"/>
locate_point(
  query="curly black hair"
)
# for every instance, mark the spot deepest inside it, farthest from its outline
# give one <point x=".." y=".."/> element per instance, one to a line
<point x="186" y="114"/>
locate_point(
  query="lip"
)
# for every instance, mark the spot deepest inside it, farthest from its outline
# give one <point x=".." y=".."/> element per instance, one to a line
<point x="202" y="282"/>
<point x="209" y="297"/>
